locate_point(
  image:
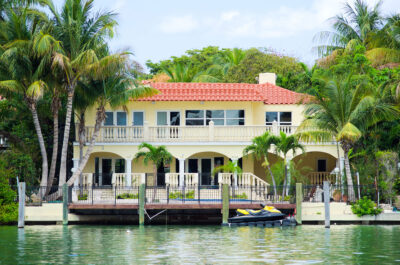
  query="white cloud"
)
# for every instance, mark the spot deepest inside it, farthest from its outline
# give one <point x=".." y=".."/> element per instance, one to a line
<point x="178" y="24"/>
<point x="227" y="16"/>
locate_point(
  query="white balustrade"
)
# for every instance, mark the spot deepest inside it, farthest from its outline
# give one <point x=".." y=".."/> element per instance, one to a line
<point x="87" y="179"/>
<point x="244" y="179"/>
<point x="116" y="134"/>
<point x="118" y="179"/>
<point x="191" y="179"/>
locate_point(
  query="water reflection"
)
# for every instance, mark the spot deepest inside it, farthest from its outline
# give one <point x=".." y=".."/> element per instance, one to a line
<point x="199" y="244"/>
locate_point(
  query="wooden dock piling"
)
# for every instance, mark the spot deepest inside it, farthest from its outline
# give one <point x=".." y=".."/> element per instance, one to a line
<point x="21" y="204"/>
<point x="326" y="203"/>
<point x="225" y="204"/>
<point x="65" y="203"/>
<point x="299" y="200"/>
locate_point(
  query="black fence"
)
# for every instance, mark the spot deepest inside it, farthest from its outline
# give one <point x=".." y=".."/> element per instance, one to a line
<point x="35" y="195"/>
<point x="104" y="195"/>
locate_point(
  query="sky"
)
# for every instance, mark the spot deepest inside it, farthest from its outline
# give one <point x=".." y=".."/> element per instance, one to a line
<point x="158" y="29"/>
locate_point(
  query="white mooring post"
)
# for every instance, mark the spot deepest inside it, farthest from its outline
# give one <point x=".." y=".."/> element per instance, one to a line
<point x="326" y="202"/>
<point x="21" y="206"/>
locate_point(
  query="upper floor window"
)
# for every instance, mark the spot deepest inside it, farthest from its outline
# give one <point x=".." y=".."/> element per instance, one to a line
<point x="219" y="117"/>
<point x="115" y="118"/>
<point x="121" y="118"/>
<point x="138" y="118"/>
<point x="109" y="121"/>
<point x="168" y="118"/>
<point x="283" y="118"/>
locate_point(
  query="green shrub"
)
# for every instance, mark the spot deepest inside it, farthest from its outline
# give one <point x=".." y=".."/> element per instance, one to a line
<point x="365" y="206"/>
<point x="239" y="196"/>
<point x="128" y="196"/>
<point x="8" y="205"/>
<point x="287" y="198"/>
<point x="179" y="195"/>
<point x="82" y="197"/>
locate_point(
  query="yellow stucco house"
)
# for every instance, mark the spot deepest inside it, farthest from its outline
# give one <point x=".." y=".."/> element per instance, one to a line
<point x="203" y="125"/>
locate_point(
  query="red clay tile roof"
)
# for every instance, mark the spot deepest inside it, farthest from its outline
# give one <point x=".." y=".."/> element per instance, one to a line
<point x="267" y="93"/>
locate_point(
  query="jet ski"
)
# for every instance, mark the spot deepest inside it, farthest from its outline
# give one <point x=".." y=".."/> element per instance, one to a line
<point x="267" y="213"/>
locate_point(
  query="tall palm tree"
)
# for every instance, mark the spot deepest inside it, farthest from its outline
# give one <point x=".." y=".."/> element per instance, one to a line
<point x="384" y="46"/>
<point x="340" y="110"/>
<point x="83" y="34"/>
<point x="25" y="62"/>
<point x="115" y="91"/>
<point x="157" y="155"/>
<point x="357" y="22"/>
<point x="285" y="145"/>
<point x="259" y="147"/>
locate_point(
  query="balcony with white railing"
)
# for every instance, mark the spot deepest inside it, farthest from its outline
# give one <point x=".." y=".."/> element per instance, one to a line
<point x="211" y="133"/>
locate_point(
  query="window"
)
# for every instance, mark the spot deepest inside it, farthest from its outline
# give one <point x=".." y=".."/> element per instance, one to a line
<point x="321" y="165"/>
<point x="120" y="166"/>
<point x="166" y="118"/>
<point x="282" y="118"/>
<point x="235" y="117"/>
<point x="138" y="118"/>
<point x="121" y="118"/>
<point x="219" y="117"/>
<point x="194" y="117"/>
<point x="109" y="121"/>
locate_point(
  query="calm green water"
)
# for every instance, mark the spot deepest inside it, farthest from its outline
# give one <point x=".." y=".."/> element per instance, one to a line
<point x="199" y="244"/>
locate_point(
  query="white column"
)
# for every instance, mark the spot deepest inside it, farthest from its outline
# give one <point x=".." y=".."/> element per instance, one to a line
<point x="76" y="165"/>
<point x="342" y="170"/>
<point x="275" y="129"/>
<point x="181" y="172"/>
<point x="211" y="131"/>
<point x="128" y="171"/>
<point x="235" y="180"/>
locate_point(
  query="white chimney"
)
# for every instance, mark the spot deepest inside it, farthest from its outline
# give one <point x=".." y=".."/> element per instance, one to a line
<point x="267" y="78"/>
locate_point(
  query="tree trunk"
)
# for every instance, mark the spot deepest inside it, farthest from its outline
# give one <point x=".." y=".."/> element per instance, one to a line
<point x="64" y="151"/>
<point x="350" y="187"/>
<point x="154" y="181"/>
<point x="43" y="181"/>
<point x="284" y="178"/>
<point x="272" y="177"/>
<point x="82" y="139"/>
<point x="99" y="119"/>
<point x="53" y="165"/>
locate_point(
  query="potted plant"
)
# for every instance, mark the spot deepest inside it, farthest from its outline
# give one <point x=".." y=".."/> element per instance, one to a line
<point x="337" y="194"/>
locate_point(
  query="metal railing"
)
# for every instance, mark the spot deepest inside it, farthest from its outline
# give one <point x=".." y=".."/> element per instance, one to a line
<point x="340" y="193"/>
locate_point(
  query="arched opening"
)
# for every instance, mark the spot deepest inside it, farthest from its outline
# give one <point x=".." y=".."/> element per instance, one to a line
<point x="204" y="164"/>
<point x="103" y="165"/>
<point x="316" y="166"/>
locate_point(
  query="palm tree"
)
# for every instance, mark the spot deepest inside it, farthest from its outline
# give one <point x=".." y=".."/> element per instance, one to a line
<point x="384" y="46"/>
<point x="260" y="146"/>
<point x="230" y="167"/>
<point x="226" y="60"/>
<point x="115" y="91"/>
<point x="340" y="110"/>
<point x="284" y="145"/>
<point x="184" y="73"/>
<point x="25" y="62"/>
<point x="157" y="155"/>
<point x="83" y="35"/>
<point x="357" y="22"/>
